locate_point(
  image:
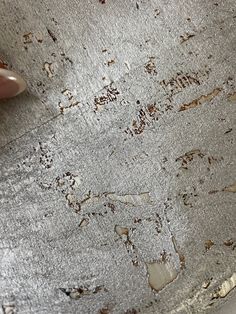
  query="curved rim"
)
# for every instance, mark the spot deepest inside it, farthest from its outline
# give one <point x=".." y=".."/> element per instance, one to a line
<point x="10" y="75"/>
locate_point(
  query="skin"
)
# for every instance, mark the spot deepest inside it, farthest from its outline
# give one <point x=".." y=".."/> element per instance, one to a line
<point x="9" y="83"/>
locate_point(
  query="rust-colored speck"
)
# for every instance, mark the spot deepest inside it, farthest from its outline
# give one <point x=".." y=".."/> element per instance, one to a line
<point x="201" y="100"/>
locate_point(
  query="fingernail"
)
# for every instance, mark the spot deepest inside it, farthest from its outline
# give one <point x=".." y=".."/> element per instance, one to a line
<point x="11" y="83"/>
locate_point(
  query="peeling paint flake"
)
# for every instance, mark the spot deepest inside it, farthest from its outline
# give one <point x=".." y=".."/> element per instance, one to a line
<point x="232" y="97"/>
<point x="160" y="274"/>
<point x="231" y="188"/>
<point x="131" y="199"/>
<point x="201" y="100"/>
<point x="226" y="287"/>
<point x="121" y="230"/>
<point x="48" y="69"/>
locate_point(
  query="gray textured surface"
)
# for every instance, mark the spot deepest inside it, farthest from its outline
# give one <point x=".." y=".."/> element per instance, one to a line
<point x="109" y="142"/>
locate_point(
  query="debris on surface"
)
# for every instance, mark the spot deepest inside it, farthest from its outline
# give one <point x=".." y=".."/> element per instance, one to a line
<point x="9" y="309"/>
<point x="232" y="97"/>
<point x="49" y="69"/>
<point x="201" y="100"/>
<point x="121" y="230"/>
<point x="208" y="244"/>
<point x="160" y="274"/>
<point x="51" y="34"/>
<point x="231" y="188"/>
<point x="84" y="222"/>
<point x="229" y="242"/>
<point x="226" y="287"/>
<point x="77" y="293"/>
<point x="110" y="94"/>
<point x="28" y="38"/>
<point x="188" y="157"/>
<point x="150" y="66"/>
<point x="186" y="37"/>
<point x="110" y="62"/>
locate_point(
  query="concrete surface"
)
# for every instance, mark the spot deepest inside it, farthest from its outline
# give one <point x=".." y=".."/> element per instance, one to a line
<point x="120" y="155"/>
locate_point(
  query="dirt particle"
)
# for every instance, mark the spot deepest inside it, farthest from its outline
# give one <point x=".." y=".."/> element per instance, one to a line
<point x="186" y="37"/>
<point x="229" y="242"/>
<point x="28" y="38"/>
<point x="51" y="34"/>
<point x="157" y="12"/>
<point x="208" y="244"/>
<point x="48" y="68"/>
<point x="150" y="66"/>
<point x="110" y="62"/>
<point x="102" y="1"/>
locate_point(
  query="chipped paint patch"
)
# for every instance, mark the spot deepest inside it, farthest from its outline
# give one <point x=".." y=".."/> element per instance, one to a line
<point x="121" y="230"/>
<point x="231" y="188"/>
<point x="201" y="100"/>
<point x="232" y="97"/>
<point x="131" y="199"/>
<point x="48" y="69"/>
<point x="84" y="222"/>
<point x="9" y="309"/>
<point x="160" y="274"/>
<point x="226" y="287"/>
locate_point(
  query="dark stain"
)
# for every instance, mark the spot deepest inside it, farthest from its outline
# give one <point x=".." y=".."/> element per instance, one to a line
<point x="228" y="131"/>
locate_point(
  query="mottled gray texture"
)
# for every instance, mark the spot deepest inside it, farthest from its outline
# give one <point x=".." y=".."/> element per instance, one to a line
<point x="129" y="120"/>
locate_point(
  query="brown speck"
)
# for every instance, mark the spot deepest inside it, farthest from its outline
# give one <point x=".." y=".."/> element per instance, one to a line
<point x="206" y="284"/>
<point x="152" y="109"/>
<point x="110" y="62"/>
<point x="208" y="244"/>
<point x="137" y="6"/>
<point x="201" y="100"/>
<point x="51" y="34"/>
<point x="104" y="50"/>
<point x="213" y="192"/>
<point x="102" y="1"/>
<point x="157" y="12"/>
<point x="28" y="38"/>
<point x="150" y="66"/>
<point x="186" y="37"/>
<point x="229" y="242"/>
